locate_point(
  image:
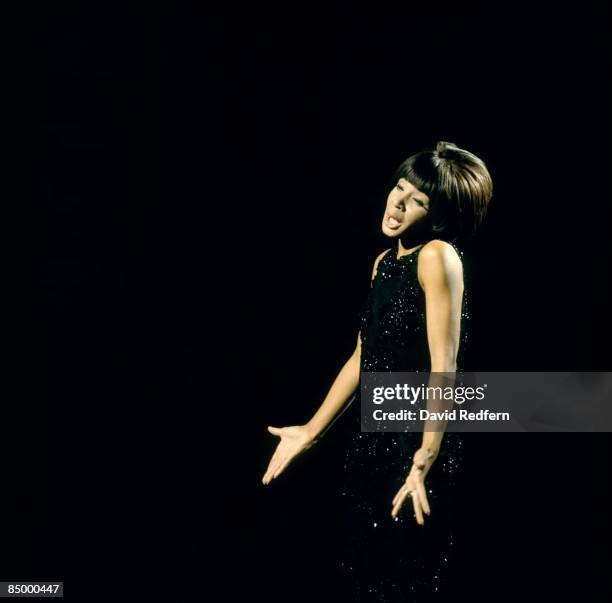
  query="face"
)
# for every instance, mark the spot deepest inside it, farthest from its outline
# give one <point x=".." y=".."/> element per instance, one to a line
<point x="406" y="206"/>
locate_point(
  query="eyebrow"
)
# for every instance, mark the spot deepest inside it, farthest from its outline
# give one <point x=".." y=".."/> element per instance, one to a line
<point x="418" y="193"/>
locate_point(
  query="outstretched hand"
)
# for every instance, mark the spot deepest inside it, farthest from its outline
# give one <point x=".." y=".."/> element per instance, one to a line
<point x="293" y="441"/>
<point x="414" y="486"/>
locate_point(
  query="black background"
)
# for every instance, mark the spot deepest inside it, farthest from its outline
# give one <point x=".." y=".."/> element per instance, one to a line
<point x="206" y="190"/>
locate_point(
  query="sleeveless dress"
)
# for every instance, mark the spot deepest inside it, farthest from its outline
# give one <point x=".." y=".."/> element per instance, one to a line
<point x="382" y="560"/>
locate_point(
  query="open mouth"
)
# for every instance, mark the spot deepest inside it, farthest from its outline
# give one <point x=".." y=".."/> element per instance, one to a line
<point x="392" y="222"/>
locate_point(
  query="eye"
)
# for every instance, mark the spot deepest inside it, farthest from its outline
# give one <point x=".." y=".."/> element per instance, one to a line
<point x="399" y="186"/>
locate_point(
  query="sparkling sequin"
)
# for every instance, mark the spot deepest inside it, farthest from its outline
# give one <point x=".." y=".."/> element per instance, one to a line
<point x="385" y="560"/>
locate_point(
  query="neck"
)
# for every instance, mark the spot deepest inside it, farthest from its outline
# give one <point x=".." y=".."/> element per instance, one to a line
<point x="405" y="245"/>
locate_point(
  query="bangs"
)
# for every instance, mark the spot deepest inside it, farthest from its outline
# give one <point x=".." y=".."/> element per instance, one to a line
<point x="420" y="171"/>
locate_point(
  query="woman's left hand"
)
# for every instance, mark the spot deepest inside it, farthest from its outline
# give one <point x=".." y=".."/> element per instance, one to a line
<point x="414" y="486"/>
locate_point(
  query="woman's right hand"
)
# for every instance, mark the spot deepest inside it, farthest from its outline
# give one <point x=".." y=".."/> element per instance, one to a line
<point x="293" y="441"/>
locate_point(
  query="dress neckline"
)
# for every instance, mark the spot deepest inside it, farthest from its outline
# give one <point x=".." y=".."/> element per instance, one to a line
<point x="406" y="255"/>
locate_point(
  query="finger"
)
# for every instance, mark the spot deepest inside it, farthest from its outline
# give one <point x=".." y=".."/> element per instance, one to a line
<point x="273" y="460"/>
<point x="399" y="503"/>
<point x="396" y="497"/>
<point x="274" y="430"/>
<point x="399" y="493"/>
<point x="271" y="467"/>
<point x="417" y="509"/>
<point x="396" y="508"/>
<point x="281" y="468"/>
<point x="265" y="480"/>
<point x="423" y="497"/>
<point x="268" y="476"/>
<point x="274" y="469"/>
<point x="274" y="464"/>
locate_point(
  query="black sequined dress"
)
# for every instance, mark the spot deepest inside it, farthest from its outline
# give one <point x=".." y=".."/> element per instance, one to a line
<point x="383" y="560"/>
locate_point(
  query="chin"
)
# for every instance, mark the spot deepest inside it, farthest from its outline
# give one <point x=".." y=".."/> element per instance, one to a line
<point x="392" y="234"/>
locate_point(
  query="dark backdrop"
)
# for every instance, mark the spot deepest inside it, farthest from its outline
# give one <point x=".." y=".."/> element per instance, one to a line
<point x="207" y="186"/>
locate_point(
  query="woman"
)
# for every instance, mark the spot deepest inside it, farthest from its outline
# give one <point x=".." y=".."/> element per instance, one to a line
<point x="414" y="319"/>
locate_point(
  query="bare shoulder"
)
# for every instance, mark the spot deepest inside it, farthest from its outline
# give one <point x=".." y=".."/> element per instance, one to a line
<point x="439" y="261"/>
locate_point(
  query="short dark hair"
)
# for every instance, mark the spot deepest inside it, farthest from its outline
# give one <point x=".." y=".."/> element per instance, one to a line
<point x="457" y="183"/>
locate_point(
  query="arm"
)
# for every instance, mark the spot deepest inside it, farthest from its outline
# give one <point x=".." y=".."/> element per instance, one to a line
<point x="298" y="438"/>
<point x="441" y="277"/>
<point x="342" y="390"/>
